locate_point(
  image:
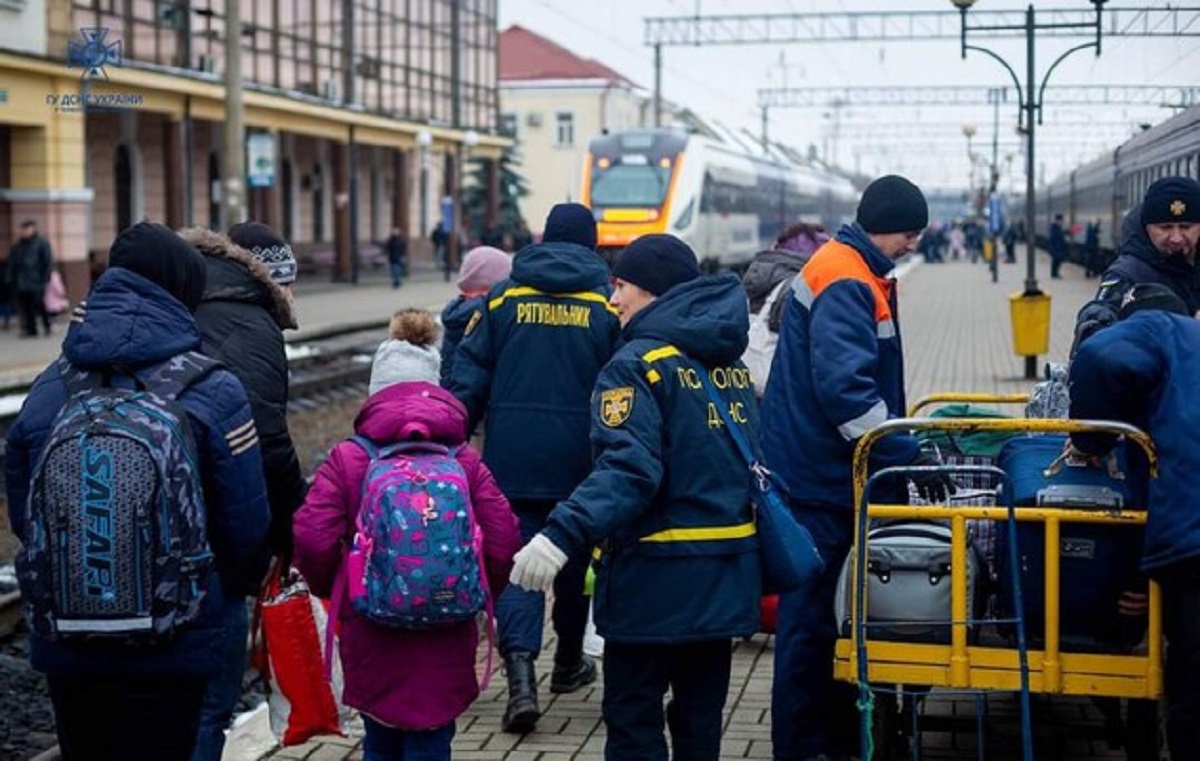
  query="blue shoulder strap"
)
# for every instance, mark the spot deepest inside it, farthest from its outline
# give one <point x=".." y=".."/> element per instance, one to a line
<point x="739" y="437"/>
<point x="376" y="452"/>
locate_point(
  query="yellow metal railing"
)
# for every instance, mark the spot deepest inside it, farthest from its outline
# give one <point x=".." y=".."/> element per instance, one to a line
<point x="961" y="665"/>
<point x="950" y="397"/>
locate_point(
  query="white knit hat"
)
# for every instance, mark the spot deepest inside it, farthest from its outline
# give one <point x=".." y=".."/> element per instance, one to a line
<point x="399" y="361"/>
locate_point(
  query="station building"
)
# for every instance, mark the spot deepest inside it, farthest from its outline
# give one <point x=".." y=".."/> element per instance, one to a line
<point x="553" y="102"/>
<point x="112" y="111"/>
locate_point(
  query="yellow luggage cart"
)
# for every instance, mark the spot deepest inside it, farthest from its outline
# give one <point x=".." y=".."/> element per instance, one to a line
<point x="964" y="667"/>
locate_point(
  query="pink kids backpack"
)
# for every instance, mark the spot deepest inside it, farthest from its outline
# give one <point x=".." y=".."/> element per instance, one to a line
<point x="417" y="557"/>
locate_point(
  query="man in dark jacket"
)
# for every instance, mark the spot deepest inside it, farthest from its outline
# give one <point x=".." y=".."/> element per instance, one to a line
<point x="397" y="253"/>
<point x="110" y="698"/>
<point x="29" y="264"/>
<point x="242" y="316"/>
<point x="669" y="504"/>
<point x="1058" y="245"/>
<point x="838" y="372"/>
<point x="529" y="362"/>
<point x="1145" y="370"/>
<point x="1158" y="245"/>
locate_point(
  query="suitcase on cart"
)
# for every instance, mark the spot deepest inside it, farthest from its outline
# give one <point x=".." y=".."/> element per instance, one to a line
<point x="1097" y="562"/>
<point x="908" y="565"/>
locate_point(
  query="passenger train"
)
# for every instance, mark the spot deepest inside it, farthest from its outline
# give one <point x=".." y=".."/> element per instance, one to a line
<point x="727" y="202"/>
<point x="1107" y="187"/>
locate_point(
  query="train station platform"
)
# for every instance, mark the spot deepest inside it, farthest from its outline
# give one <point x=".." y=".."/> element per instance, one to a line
<point x="955" y="324"/>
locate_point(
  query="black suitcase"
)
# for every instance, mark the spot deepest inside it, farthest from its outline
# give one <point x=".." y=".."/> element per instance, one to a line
<point x="1098" y="562"/>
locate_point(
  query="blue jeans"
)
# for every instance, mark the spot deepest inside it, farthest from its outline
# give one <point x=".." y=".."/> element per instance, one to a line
<point x="810" y="713"/>
<point x="224" y="690"/>
<point x="397" y="273"/>
<point x="520" y="613"/>
<point x="384" y="743"/>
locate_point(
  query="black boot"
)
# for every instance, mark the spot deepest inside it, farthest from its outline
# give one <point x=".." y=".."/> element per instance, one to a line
<point x="521" y="713"/>
<point x="572" y="669"/>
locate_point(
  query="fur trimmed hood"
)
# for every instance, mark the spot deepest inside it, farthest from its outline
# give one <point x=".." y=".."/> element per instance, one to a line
<point x="249" y="282"/>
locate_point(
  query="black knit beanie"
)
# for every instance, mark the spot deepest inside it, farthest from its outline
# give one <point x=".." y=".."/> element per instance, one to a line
<point x="570" y="223"/>
<point x="1152" y="296"/>
<point x="656" y="263"/>
<point x="892" y="204"/>
<point x="156" y="253"/>
<point x="1171" y="199"/>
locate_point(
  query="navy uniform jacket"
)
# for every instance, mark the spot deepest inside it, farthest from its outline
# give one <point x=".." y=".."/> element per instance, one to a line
<point x="128" y="320"/>
<point x="1145" y="370"/>
<point x="669" y="497"/>
<point x="838" y="371"/>
<point x="529" y="362"/>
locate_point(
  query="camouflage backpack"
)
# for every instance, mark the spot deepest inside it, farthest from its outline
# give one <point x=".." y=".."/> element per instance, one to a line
<point x="116" y="546"/>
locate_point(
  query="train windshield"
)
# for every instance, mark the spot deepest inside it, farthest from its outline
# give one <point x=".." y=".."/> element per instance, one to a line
<point x="630" y="185"/>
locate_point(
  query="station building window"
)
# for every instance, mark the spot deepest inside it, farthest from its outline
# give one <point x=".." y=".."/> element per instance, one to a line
<point x="401" y="64"/>
<point x="565" y="123"/>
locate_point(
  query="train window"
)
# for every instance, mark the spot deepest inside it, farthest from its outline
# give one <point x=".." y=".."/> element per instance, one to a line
<point x="637" y="141"/>
<point x="685" y="218"/>
<point x="630" y="186"/>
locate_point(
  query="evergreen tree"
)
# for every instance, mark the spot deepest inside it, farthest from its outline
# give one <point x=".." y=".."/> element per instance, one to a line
<point x="513" y="187"/>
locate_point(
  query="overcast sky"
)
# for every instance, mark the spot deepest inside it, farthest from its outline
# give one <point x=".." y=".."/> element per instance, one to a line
<point x="927" y="143"/>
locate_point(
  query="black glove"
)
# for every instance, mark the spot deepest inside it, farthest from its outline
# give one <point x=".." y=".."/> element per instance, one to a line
<point x="933" y="487"/>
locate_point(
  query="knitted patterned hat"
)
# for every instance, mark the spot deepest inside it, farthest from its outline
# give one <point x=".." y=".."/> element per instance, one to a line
<point x="268" y="247"/>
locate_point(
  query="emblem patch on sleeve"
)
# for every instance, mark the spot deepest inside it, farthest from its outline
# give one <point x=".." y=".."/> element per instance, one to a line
<point x="474" y="321"/>
<point x="616" y="404"/>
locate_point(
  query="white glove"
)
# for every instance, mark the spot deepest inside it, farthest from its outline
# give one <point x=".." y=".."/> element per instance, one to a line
<point x="536" y="565"/>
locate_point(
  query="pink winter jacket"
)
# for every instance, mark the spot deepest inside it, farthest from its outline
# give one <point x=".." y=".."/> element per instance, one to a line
<point x="413" y="680"/>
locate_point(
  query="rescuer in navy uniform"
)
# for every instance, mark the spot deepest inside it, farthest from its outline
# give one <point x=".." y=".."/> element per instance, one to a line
<point x="1158" y="245"/>
<point x="668" y="503"/>
<point x="1145" y="370"/>
<point x="529" y="361"/>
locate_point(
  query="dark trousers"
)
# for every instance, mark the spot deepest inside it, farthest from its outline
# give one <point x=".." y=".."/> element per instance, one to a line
<point x="126" y="718"/>
<point x="384" y="743"/>
<point x="635" y="679"/>
<point x="1056" y="260"/>
<point x="810" y="713"/>
<point x="1181" y="672"/>
<point x="520" y="613"/>
<point x="33" y="308"/>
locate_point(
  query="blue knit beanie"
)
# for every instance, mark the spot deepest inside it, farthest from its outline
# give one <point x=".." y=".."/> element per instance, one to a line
<point x="571" y="223"/>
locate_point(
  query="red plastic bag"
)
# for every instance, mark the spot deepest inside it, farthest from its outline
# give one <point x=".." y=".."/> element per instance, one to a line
<point x="290" y="656"/>
<point x="769" y="614"/>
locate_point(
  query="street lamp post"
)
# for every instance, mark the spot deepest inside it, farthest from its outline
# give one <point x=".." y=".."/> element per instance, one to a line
<point x="424" y="141"/>
<point x="1030" y="100"/>
<point x="470" y="139"/>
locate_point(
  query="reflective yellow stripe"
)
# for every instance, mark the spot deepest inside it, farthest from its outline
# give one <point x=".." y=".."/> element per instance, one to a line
<point x="653" y="376"/>
<point x="662" y="353"/>
<point x="705" y="534"/>
<point x="525" y="290"/>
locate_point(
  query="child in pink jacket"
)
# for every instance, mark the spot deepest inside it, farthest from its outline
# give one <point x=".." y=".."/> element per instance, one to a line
<point x="409" y="685"/>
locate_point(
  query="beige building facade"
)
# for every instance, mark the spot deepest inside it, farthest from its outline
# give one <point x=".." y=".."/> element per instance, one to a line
<point x="553" y="102"/>
<point x="359" y="123"/>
